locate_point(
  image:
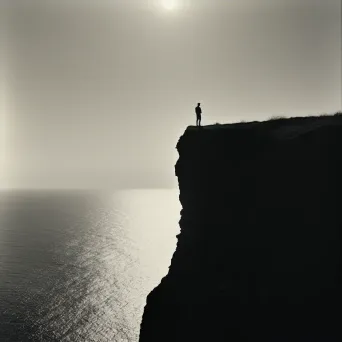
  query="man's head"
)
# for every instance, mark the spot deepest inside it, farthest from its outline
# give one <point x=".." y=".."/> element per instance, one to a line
<point x="198" y="104"/>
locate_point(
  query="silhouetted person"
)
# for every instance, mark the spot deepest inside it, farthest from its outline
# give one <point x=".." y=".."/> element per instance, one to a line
<point x="198" y="111"/>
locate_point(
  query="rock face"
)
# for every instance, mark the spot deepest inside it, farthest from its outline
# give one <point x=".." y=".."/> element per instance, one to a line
<point x="259" y="252"/>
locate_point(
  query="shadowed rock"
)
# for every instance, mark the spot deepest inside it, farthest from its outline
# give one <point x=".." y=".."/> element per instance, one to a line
<point x="259" y="252"/>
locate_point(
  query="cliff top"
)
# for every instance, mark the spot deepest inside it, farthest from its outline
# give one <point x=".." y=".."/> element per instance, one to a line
<point x="277" y="121"/>
<point x="277" y="127"/>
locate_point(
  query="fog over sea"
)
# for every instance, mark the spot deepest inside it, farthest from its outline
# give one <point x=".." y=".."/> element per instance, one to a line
<point x="78" y="265"/>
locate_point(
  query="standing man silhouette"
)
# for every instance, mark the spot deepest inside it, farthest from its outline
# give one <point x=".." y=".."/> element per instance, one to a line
<point x="198" y="111"/>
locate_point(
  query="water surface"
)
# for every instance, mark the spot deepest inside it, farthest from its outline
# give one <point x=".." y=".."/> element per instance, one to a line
<point x="77" y="266"/>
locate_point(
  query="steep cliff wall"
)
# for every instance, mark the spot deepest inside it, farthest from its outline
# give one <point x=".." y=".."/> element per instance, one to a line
<point x="258" y="255"/>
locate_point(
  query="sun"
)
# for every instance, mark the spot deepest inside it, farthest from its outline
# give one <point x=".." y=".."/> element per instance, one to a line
<point x="169" y="4"/>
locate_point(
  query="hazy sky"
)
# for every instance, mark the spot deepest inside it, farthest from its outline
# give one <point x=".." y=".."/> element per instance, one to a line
<point x="96" y="93"/>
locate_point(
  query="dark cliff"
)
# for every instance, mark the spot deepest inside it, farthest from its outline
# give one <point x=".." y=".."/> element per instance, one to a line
<point x="258" y="255"/>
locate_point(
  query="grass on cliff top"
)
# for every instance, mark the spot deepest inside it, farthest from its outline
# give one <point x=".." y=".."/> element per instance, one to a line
<point x="276" y="121"/>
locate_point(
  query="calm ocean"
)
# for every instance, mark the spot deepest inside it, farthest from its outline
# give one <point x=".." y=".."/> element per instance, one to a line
<point x="77" y="266"/>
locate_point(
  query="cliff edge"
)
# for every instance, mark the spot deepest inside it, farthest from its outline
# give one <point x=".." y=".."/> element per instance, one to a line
<point x="259" y="252"/>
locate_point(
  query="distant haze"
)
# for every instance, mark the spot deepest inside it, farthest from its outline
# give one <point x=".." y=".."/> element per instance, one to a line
<point x="97" y="93"/>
